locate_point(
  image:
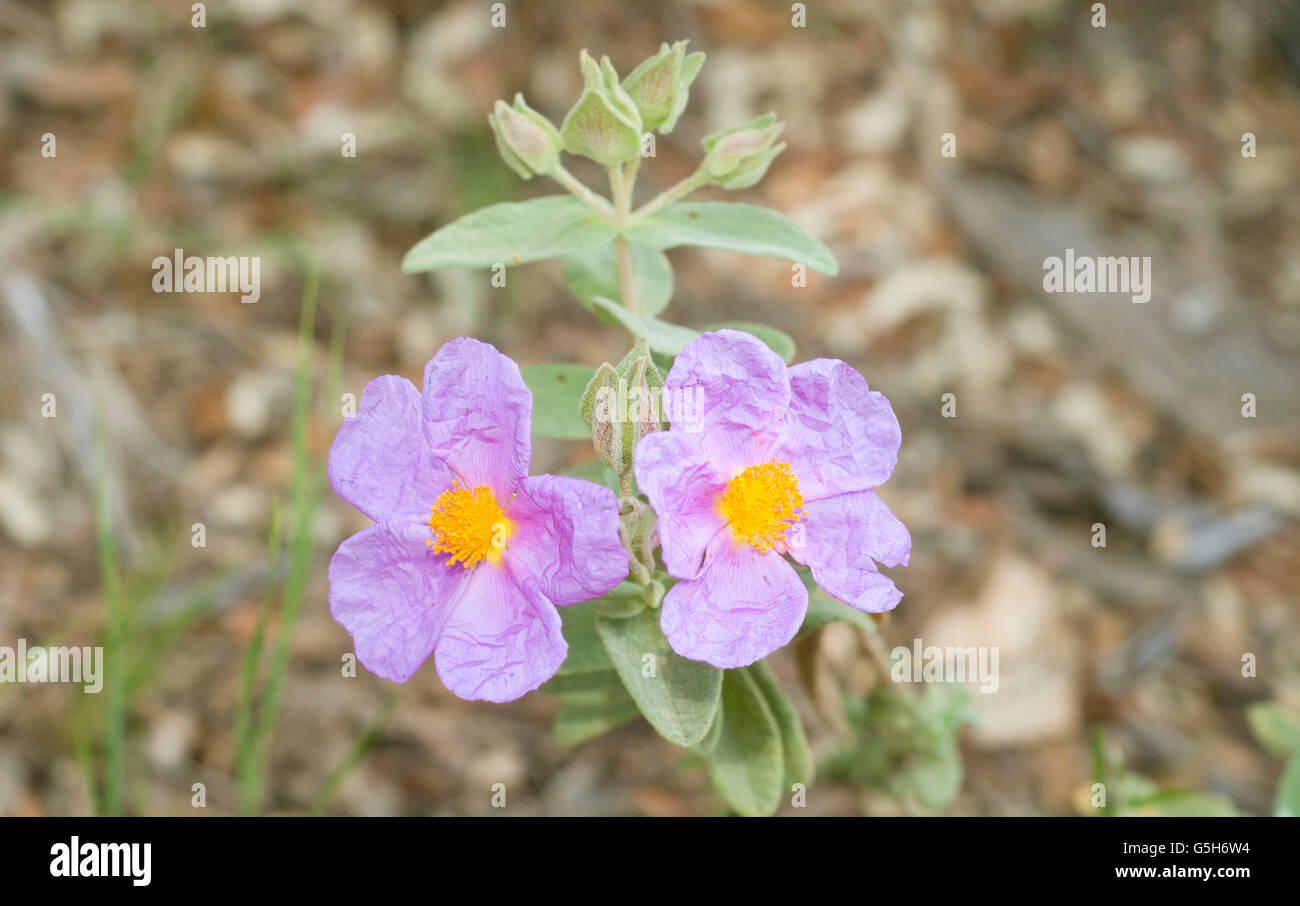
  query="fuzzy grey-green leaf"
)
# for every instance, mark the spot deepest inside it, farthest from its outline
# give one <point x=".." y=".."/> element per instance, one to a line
<point x="733" y="227"/>
<point x="797" y="757"/>
<point x="681" y="697"/>
<point x="627" y="600"/>
<point x="747" y="766"/>
<point x="577" y="723"/>
<point x="597" y="687"/>
<point x="662" y="336"/>
<point x="594" y="273"/>
<point x="586" y="650"/>
<point x="510" y="233"/>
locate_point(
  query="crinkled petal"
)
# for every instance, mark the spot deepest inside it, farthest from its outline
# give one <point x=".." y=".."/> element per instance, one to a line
<point x="683" y="488"/>
<point x="746" y="605"/>
<point x="566" y="538"/>
<point x="502" y="640"/>
<point x="392" y="593"/>
<point x="477" y="415"/>
<point x="731" y="390"/>
<point x="381" y="462"/>
<point x="840" y="536"/>
<point x="837" y="435"/>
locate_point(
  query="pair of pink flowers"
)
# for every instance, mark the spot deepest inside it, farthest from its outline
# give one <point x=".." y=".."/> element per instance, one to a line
<point x="470" y="556"/>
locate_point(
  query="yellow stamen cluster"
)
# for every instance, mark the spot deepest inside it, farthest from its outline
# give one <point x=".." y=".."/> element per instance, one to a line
<point x="469" y="524"/>
<point x="761" y="503"/>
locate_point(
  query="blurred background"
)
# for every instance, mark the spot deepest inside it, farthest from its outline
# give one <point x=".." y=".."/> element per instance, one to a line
<point x="1071" y="410"/>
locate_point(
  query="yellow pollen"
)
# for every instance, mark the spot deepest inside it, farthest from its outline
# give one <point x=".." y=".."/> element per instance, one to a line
<point x="468" y="524"/>
<point x="761" y="503"/>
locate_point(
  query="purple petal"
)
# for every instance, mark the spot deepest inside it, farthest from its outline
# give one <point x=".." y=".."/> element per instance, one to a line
<point x="838" y="436"/>
<point x="729" y="388"/>
<point x="566" y="538"/>
<point x="380" y="461"/>
<point x="746" y="605"/>
<point x="839" y="537"/>
<point x="502" y="640"/>
<point x="478" y="415"/>
<point x="683" y="488"/>
<point x="392" y="594"/>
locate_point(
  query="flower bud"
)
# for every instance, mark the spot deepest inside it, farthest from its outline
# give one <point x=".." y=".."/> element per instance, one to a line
<point x="528" y="143"/>
<point x="622" y="405"/>
<point x="738" y="156"/>
<point x="636" y="529"/>
<point x="661" y="85"/>
<point x="605" y="124"/>
<point x="597" y="409"/>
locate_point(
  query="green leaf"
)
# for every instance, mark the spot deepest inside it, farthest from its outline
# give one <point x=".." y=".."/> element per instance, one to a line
<point x="599" y="687"/>
<point x="578" y="723"/>
<point x="627" y="600"/>
<point x="586" y="650"/>
<point x="746" y="765"/>
<point x="778" y="341"/>
<point x="594" y="273"/>
<point x="1286" y="802"/>
<point x="660" y="335"/>
<point x="510" y="233"/>
<point x="797" y="757"/>
<point x="1277" y="730"/>
<point x="733" y="227"/>
<point x="706" y="745"/>
<point x="557" y="390"/>
<point x="681" y="698"/>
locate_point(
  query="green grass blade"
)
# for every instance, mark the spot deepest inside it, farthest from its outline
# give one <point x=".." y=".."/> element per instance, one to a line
<point x="248" y="680"/>
<point x="304" y="495"/>
<point x="115" y="641"/>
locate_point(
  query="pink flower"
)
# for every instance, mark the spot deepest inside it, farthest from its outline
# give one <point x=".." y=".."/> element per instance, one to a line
<point x="469" y="555"/>
<point x="779" y="462"/>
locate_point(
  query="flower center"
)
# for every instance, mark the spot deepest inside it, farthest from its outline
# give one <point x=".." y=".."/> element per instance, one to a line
<point x="468" y="524"/>
<point x="761" y="503"/>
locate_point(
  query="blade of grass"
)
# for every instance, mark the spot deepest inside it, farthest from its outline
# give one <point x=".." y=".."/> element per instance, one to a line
<point x="304" y="495"/>
<point x="83" y="745"/>
<point x="252" y="663"/>
<point x="115" y="638"/>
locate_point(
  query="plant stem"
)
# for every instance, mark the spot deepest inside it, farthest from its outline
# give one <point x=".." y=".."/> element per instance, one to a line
<point x="596" y="202"/>
<point x="620" y="184"/>
<point x="669" y="195"/>
<point x="629" y="177"/>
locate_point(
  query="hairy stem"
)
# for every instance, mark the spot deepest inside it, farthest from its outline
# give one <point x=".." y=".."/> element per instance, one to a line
<point x="597" y="203"/>
<point x="620" y="184"/>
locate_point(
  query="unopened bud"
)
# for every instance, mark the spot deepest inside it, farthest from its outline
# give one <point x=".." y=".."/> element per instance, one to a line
<point x="605" y="124"/>
<point x="660" y="86"/>
<point x="637" y="524"/>
<point x="738" y="156"/>
<point x="621" y="405"/>
<point x="528" y="143"/>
